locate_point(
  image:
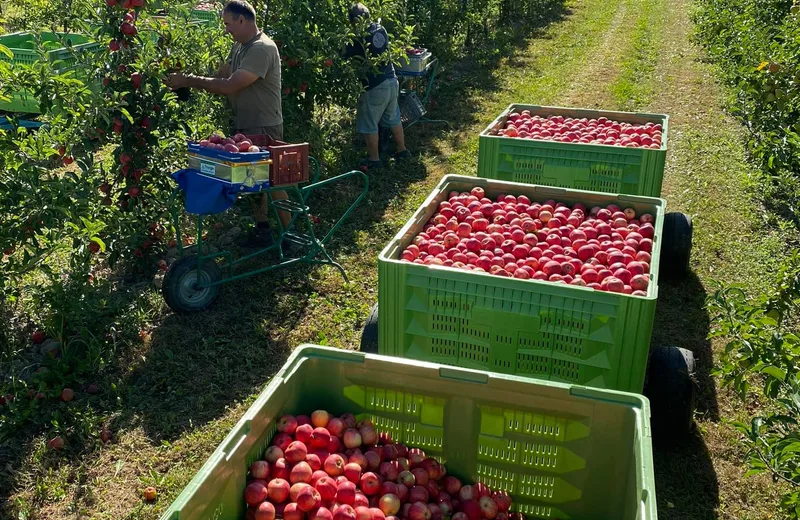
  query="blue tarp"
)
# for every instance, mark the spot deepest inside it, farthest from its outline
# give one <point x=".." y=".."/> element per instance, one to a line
<point x="6" y="125"/>
<point x="208" y="195"/>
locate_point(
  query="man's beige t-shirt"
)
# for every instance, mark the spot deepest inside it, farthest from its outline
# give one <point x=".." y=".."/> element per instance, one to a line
<point x="260" y="103"/>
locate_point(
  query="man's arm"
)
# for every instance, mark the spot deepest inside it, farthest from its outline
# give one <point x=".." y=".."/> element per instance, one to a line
<point x="238" y="81"/>
<point x="353" y="49"/>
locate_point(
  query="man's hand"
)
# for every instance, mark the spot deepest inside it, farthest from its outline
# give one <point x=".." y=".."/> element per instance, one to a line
<point x="177" y="80"/>
<point x="240" y="80"/>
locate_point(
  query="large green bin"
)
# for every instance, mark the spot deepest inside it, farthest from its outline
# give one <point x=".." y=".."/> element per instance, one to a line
<point x="23" y="47"/>
<point x="528" y="328"/>
<point x="561" y="451"/>
<point x="593" y="167"/>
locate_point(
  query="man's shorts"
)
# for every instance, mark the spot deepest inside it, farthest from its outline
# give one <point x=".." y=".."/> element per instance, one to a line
<point x="378" y="104"/>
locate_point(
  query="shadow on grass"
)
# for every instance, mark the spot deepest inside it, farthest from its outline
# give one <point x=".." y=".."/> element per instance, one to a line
<point x="682" y="321"/>
<point x="198" y="364"/>
<point x="686" y="483"/>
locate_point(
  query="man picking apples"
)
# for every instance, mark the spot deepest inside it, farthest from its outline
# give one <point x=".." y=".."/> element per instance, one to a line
<point x="377" y="105"/>
<point x="251" y="79"/>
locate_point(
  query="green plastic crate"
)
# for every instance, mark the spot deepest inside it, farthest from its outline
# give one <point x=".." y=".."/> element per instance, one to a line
<point x="593" y="167"/>
<point x="23" y="46"/>
<point x="205" y="16"/>
<point x="528" y="328"/>
<point x="565" y="452"/>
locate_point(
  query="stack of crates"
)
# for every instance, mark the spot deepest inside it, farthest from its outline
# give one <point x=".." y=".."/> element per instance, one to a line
<point x="23" y="46"/>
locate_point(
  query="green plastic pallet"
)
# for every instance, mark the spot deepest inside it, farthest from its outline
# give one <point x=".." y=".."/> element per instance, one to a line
<point x="562" y="452"/>
<point x="528" y="328"/>
<point x="592" y="167"/>
<point x="23" y="47"/>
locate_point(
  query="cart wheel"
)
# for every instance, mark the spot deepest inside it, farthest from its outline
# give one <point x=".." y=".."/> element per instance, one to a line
<point x="670" y="388"/>
<point x="180" y="285"/>
<point x="369" y="338"/>
<point x="677" y="246"/>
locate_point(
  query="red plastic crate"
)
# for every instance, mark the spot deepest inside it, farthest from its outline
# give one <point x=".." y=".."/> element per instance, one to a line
<point x="289" y="161"/>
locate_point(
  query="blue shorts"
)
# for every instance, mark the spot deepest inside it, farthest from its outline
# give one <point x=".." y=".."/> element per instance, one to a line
<point x="378" y="105"/>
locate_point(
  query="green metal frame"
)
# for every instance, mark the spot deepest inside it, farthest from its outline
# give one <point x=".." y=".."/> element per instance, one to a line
<point x="430" y="70"/>
<point x="295" y="204"/>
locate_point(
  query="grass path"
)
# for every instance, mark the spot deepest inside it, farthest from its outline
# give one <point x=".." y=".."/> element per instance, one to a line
<point x="179" y="391"/>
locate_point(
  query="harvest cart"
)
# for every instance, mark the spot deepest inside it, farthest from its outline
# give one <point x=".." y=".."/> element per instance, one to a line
<point x="192" y="283"/>
<point x="529" y="328"/>
<point x="593" y="167"/>
<point x="419" y="69"/>
<point x="560" y="451"/>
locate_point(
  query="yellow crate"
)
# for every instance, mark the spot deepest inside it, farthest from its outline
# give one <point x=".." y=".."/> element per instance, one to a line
<point x="235" y="172"/>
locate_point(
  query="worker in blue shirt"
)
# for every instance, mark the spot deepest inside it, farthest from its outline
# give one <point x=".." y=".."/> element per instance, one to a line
<point x="377" y="105"/>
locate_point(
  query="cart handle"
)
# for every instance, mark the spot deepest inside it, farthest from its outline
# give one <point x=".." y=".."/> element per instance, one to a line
<point x="306" y="190"/>
<point x="315" y="174"/>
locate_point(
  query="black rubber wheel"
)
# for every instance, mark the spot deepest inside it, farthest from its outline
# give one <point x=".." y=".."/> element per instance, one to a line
<point x="369" y="338"/>
<point x="676" y="247"/>
<point x="180" y="285"/>
<point x="670" y="387"/>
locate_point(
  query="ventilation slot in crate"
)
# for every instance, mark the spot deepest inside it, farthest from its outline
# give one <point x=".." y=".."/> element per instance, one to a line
<point x="566" y="370"/>
<point x="538" y="343"/>
<point x="567" y="344"/>
<point x="554" y="318"/>
<point x="503" y="365"/>
<point x="530" y="364"/>
<point x="474" y="353"/>
<point x="537" y="486"/>
<point x="442" y="323"/>
<point x="540" y="456"/>
<point x="444" y="347"/>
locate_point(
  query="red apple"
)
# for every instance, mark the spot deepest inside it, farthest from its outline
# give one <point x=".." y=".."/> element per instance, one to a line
<point x="353" y="472"/>
<point x="278" y="490"/>
<point x="296" y="452"/>
<point x="273" y="454"/>
<point x="370" y="484"/>
<point x="301" y="472"/>
<point x="292" y="512"/>
<point x="419" y="511"/>
<point x="259" y="470"/>
<point x="344" y="512"/>
<point x="255" y="493"/>
<point x="489" y="507"/>
<point x="280" y="469"/>
<point x="346" y="493"/>
<point x="287" y="424"/>
<point x="352" y="438"/>
<point x="308" y="498"/>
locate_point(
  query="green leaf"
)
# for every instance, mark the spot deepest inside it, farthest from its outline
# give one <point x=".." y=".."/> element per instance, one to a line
<point x="100" y="242"/>
<point x="774" y="372"/>
<point x="5" y="50"/>
<point x="753" y="471"/>
<point x="126" y="114"/>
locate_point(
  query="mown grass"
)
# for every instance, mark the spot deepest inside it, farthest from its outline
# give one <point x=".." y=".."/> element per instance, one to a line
<point x="632" y="88"/>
